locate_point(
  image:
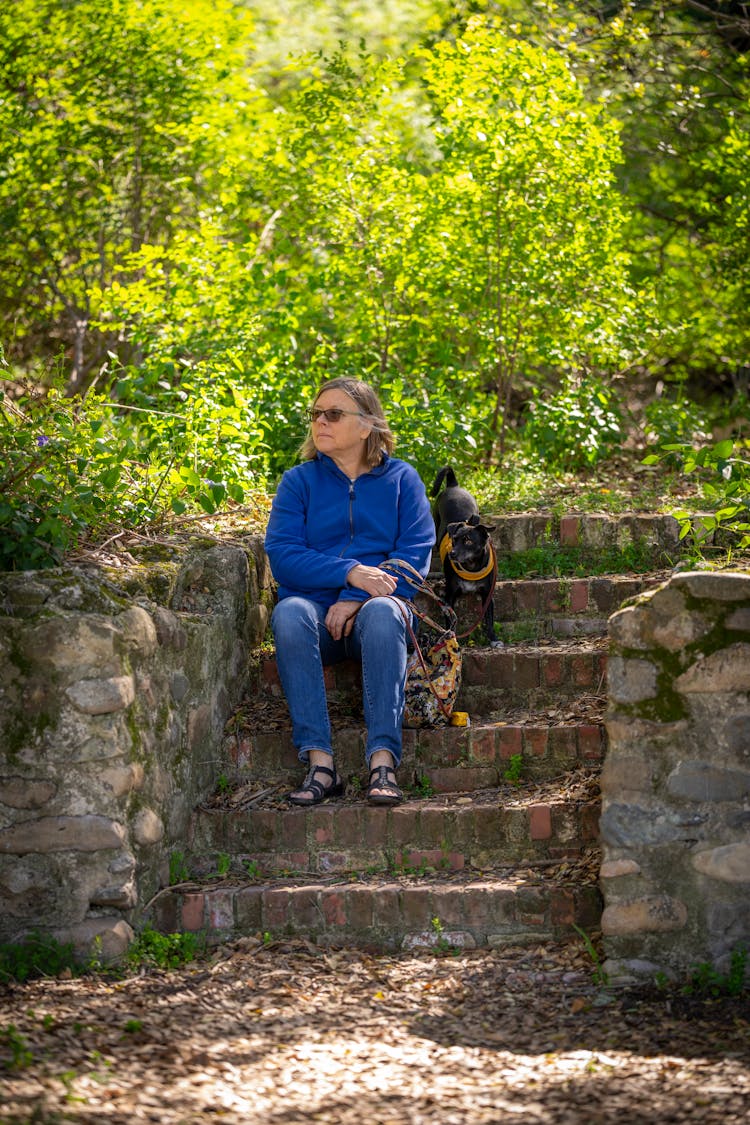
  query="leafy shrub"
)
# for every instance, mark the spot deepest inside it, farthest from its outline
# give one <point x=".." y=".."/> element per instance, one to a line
<point x="726" y="485"/>
<point x="574" y="428"/>
<point x="675" y="420"/>
<point x="75" y="468"/>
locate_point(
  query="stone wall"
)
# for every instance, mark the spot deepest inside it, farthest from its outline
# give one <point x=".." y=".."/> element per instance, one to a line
<point x="115" y="687"/>
<point x="675" y="820"/>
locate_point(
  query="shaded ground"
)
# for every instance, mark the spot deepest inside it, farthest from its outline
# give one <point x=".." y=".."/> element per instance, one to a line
<point x="290" y="1034"/>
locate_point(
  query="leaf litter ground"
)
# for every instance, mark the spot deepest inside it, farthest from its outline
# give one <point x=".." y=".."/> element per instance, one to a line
<point x="290" y="1033"/>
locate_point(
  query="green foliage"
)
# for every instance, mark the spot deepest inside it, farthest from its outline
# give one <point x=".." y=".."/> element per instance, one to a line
<point x="575" y="428"/>
<point x="512" y="774"/>
<point x="20" y="1055"/>
<point x="223" y="864"/>
<point x="423" y="786"/>
<point x="164" y="951"/>
<point x="125" y="110"/>
<point x="600" y="977"/>
<point x="726" y="485"/>
<point x="37" y="955"/>
<point x="76" y="467"/>
<point x="178" y="869"/>
<point x="460" y="211"/>
<point x="706" y="980"/>
<point x="676" y="420"/>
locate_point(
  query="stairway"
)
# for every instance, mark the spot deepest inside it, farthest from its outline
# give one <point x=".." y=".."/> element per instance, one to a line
<point x="496" y="842"/>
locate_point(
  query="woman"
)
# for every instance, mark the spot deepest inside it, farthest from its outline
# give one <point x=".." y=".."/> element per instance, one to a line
<point x="335" y="518"/>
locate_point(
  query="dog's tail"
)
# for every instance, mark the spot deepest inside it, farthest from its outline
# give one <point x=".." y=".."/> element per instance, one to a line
<point x="446" y="474"/>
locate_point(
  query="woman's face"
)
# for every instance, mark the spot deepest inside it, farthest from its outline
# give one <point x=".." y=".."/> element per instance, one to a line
<point x="344" y="437"/>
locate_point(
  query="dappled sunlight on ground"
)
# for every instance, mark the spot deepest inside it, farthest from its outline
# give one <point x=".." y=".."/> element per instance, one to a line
<point x="290" y="1033"/>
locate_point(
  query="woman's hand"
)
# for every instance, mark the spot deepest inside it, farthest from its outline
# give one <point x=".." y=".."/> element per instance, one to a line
<point x="372" y="580"/>
<point x="340" y="619"/>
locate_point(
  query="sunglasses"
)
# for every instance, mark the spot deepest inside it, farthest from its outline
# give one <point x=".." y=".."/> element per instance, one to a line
<point x="332" y="414"/>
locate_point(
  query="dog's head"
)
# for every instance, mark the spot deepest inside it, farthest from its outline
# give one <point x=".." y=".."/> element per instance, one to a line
<point x="469" y="543"/>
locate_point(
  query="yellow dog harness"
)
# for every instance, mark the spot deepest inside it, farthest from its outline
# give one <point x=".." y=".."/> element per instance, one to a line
<point x="446" y="545"/>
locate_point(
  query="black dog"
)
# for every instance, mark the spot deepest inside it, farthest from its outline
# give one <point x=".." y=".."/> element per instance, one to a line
<point x="466" y="551"/>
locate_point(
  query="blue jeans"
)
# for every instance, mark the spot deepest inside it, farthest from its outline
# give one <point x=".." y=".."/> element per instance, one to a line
<point x="303" y="646"/>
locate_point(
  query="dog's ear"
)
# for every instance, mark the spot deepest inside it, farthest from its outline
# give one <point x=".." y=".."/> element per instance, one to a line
<point x="473" y="520"/>
<point x="452" y="528"/>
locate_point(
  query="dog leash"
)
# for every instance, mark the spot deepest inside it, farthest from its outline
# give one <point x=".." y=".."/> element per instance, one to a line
<point x="398" y="565"/>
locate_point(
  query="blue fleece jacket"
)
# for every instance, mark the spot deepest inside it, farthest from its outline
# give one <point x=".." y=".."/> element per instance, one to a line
<point x="322" y="524"/>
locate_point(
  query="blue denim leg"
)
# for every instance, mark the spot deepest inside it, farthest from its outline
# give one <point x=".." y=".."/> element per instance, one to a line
<point x="303" y="646"/>
<point x="379" y="640"/>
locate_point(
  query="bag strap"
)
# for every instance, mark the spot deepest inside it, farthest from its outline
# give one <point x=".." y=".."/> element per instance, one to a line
<point x="395" y="566"/>
<point x="441" y="704"/>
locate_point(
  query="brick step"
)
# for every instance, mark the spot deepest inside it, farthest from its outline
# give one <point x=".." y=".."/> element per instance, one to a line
<point x="496" y="826"/>
<point x="532" y="609"/>
<point x="510" y="677"/>
<point x="449" y="759"/>
<point x="656" y="536"/>
<point x="384" y="913"/>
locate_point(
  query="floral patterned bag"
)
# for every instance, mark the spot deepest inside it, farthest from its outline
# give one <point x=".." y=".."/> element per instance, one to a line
<point x="433" y="670"/>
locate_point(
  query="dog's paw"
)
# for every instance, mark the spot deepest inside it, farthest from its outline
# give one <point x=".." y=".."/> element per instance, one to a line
<point x="497" y="644"/>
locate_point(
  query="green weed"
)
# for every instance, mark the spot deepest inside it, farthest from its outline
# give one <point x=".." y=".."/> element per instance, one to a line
<point x="442" y="945"/>
<point x="252" y="869"/>
<point x="515" y="768"/>
<point x="223" y="864"/>
<point x="600" y="977"/>
<point x="37" y="955"/>
<point x="178" y="870"/>
<point x="708" y="981"/>
<point x="423" y="786"/>
<point x="164" y="951"/>
<point x="20" y="1055"/>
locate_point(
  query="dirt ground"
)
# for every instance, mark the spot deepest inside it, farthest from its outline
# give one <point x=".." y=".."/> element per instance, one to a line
<point x="286" y="1034"/>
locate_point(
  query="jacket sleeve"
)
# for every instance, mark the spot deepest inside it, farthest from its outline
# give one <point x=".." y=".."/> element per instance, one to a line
<point x="416" y="530"/>
<point x="293" y="563"/>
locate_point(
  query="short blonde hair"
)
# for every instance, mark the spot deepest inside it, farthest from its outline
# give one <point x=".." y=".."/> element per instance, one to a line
<point x="380" y="440"/>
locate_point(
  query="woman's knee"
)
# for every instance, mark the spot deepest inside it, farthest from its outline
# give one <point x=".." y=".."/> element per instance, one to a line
<point x="382" y="617"/>
<point x="292" y="617"/>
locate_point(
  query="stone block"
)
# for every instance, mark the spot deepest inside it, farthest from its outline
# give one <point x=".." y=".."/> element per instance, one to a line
<point x="739" y="620"/>
<point x="650" y="914"/>
<point x="700" y="781"/>
<point x="730" y="863"/>
<point x="727" y="670"/>
<point x="727" y="587"/>
<point x="62" y="833"/>
<point x="632" y="680"/>
<point x="628" y="629"/>
<point x="109" y="938"/>
<point x="147" y="827"/>
<point x="26" y="793"/>
<point x="138" y="631"/>
<point x="618" y="868"/>
<point x="101" y="697"/>
<point x="634" y="826"/>
<point x="626" y="773"/>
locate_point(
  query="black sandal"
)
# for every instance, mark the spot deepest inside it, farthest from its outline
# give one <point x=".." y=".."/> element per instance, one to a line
<point x="392" y="794"/>
<point x="319" y="791"/>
